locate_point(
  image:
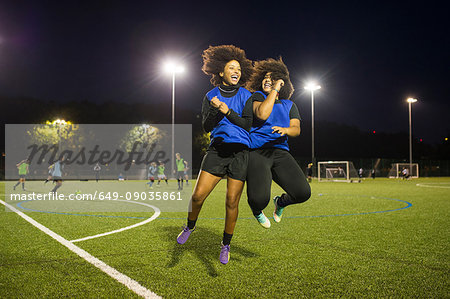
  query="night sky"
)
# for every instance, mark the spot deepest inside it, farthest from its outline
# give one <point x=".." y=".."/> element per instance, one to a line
<point x="367" y="56"/>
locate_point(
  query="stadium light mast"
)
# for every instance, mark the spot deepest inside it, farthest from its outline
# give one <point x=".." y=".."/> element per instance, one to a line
<point x="173" y="69"/>
<point x="410" y="101"/>
<point x="312" y="86"/>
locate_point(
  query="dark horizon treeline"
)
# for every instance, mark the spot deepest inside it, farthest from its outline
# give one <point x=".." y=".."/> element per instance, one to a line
<point x="333" y="141"/>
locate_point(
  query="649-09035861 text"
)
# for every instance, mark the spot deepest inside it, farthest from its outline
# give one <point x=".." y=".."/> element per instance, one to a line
<point x="101" y="196"/>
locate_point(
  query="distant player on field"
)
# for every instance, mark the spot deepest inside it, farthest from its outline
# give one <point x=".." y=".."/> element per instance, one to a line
<point x="23" y="167"/>
<point x="161" y="173"/>
<point x="186" y="176"/>
<point x="309" y="172"/>
<point x="97" y="169"/>
<point x="405" y="173"/>
<point x="152" y="169"/>
<point x="50" y="171"/>
<point x="181" y="168"/>
<point x="58" y="173"/>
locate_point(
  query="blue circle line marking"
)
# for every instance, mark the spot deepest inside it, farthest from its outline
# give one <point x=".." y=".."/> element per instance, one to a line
<point x="408" y="205"/>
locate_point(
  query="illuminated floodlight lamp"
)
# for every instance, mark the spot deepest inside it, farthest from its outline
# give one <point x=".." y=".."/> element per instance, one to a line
<point x="171" y="67"/>
<point x="312" y="86"/>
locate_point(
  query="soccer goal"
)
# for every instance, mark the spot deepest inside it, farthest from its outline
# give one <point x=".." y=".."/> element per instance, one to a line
<point x="398" y="170"/>
<point x="337" y="171"/>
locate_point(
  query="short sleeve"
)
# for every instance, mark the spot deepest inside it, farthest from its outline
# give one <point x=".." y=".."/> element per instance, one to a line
<point x="257" y="97"/>
<point x="293" y="113"/>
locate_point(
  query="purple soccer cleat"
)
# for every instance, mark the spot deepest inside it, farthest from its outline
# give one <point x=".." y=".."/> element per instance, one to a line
<point x="224" y="256"/>
<point x="184" y="235"/>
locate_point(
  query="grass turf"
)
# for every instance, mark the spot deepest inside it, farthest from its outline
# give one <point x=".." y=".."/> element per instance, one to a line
<point x="348" y="240"/>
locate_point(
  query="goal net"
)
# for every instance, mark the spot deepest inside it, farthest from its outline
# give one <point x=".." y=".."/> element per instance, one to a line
<point x="399" y="170"/>
<point x="337" y="171"/>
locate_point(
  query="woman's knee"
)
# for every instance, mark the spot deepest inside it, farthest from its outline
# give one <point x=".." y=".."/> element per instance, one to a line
<point x="198" y="197"/>
<point x="232" y="201"/>
<point x="258" y="203"/>
<point x="301" y="194"/>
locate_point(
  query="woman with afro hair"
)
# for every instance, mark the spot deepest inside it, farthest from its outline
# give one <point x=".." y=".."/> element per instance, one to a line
<point x="275" y="119"/>
<point x="227" y="114"/>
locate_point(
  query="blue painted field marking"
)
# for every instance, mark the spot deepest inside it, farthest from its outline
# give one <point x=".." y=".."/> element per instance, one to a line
<point x="408" y="205"/>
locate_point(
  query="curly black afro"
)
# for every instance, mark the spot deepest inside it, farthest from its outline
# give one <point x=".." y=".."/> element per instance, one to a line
<point x="216" y="57"/>
<point x="278" y="70"/>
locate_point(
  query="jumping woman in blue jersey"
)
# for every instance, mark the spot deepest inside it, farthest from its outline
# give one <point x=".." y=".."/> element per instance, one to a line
<point x="275" y="119"/>
<point x="227" y="114"/>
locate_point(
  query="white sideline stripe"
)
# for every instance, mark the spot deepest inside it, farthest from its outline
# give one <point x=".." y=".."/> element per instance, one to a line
<point x="157" y="213"/>
<point x="431" y="186"/>
<point x="120" y="277"/>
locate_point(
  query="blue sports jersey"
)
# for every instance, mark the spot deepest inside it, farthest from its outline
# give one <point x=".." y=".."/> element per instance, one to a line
<point x="261" y="135"/>
<point x="57" y="169"/>
<point x="152" y="170"/>
<point x="226" y="130"/>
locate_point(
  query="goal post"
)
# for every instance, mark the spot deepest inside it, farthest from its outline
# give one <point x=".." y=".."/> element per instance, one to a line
<point x="397" y="169"/>
<point x="337" y="171"/>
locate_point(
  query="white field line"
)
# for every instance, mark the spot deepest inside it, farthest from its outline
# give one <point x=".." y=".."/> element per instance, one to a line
<point x="120" y="277"/>
<point x="432" y="186"/>
<point x="157" y="213"/>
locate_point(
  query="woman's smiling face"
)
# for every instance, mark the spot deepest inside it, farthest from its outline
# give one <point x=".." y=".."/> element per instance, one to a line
<point x="231" y="73"/>
<point x="267" y="83"/>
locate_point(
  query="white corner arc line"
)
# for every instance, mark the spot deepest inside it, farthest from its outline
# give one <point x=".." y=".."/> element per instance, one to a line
<point x="155" y="215"/>
<point x="120" y="277"/>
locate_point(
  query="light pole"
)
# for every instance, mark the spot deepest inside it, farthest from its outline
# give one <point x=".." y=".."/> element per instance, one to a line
<point x="312" y="86"/>
<point x="173" y="68"/>
<point x="410" y="101"/>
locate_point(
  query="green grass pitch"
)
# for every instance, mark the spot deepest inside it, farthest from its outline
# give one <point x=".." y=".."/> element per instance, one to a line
<point x="348" y="240"/>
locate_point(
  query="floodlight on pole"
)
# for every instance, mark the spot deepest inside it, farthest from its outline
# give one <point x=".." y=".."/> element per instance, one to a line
<point x="173" y="68"/>
<point x="410" y="102"/>
<point x="312" y="86"/>
<point x="60" y="123"/>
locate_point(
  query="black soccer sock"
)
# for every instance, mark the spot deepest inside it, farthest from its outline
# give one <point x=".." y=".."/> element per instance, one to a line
<point x="46" y="181"/>
<point x="226" y="238"/>
<point x="23" y="185"/>
<point x="56" y="188"/>
<point x="16" y="184"/>
<point x="284" y="200"/>
<point x="167" y="182"/>
<point x="179" y="186"/>
<point x="256" y="213"/>
<point x="191" y="223"/>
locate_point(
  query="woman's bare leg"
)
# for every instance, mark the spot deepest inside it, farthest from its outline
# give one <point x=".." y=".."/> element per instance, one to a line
<point x="206" y="182"/>
<point x="234" y="191"/>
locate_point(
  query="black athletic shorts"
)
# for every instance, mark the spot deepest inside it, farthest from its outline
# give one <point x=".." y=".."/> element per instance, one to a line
<point x="57" y="178"/>
<point x="229" y="159"/>
<point x="22" y="176"/>
<point x="180" y="174"/>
